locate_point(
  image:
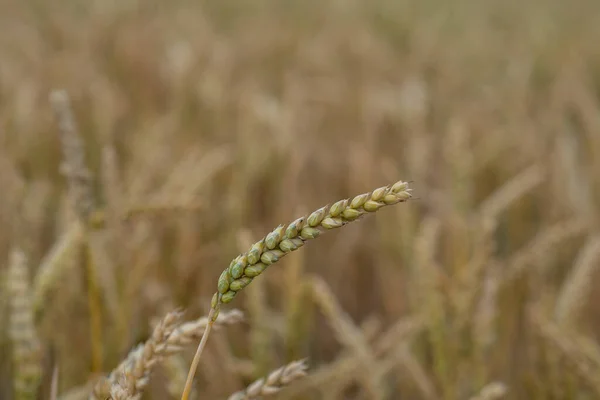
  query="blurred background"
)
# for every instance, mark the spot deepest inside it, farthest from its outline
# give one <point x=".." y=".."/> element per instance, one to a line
<point x="205" y="124"/>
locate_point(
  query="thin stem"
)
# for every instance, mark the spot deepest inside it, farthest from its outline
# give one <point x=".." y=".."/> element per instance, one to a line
<point x="190" y="378"/>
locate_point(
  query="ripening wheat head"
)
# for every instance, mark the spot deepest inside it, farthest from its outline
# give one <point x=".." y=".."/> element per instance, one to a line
<point x="283" y="240"/>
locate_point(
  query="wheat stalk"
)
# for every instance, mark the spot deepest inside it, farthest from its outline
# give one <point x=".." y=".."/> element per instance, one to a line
<point x="273" y="383"/>
<point x="283" y="240"/>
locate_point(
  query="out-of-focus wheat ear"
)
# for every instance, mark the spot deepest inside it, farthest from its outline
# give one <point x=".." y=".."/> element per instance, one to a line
<point x="133" y="374"/>
<point x="534" y="254"/>
<point x="274" y="382"/>
<point x="563" y="343"/>
<point x="26" y="348"/>
<point x="347" y="366"/>
<point x="484" y="320"/>
<point x="349" y="335"/>
<point x="81" y="191"/>
<point x="430" y="302"/>
<point x="492" y="391"/>
<point x="512" y="191"/>
<point x="56" y="263"/>
<point x="74" y="167"/>
<point x="124" y="389"/>
<point x="476" y="303"/>
<point x="578" y="284"/>
<point x="188" y="333"/>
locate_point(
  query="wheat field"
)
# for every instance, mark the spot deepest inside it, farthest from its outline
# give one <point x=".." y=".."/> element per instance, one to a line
<point x="146" y="144"/>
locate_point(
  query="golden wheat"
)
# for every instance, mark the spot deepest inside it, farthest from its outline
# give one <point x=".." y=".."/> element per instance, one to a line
<point x="273" y="383"/>
<point x="130" y="378"/>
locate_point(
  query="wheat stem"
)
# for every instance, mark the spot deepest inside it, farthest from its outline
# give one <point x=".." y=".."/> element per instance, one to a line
<point x="190" y="378"/>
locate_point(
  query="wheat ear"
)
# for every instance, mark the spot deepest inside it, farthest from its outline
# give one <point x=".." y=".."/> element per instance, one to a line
<point x="281" y="241"/>
<point x="187" y="333"/>
<point x="273" y="383"/>
<point x="26" y="345"/>
<point x="130" y="378"/>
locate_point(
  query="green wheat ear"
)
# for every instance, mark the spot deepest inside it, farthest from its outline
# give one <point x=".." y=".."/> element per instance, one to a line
<point x="283" y="240"/>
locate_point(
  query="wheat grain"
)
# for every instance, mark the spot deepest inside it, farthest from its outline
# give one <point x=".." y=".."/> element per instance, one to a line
<point x="274" y="382"/>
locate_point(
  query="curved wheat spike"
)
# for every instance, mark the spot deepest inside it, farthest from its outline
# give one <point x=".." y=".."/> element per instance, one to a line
<point x="273" y="383"/>
<point x="283" y="240"/>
